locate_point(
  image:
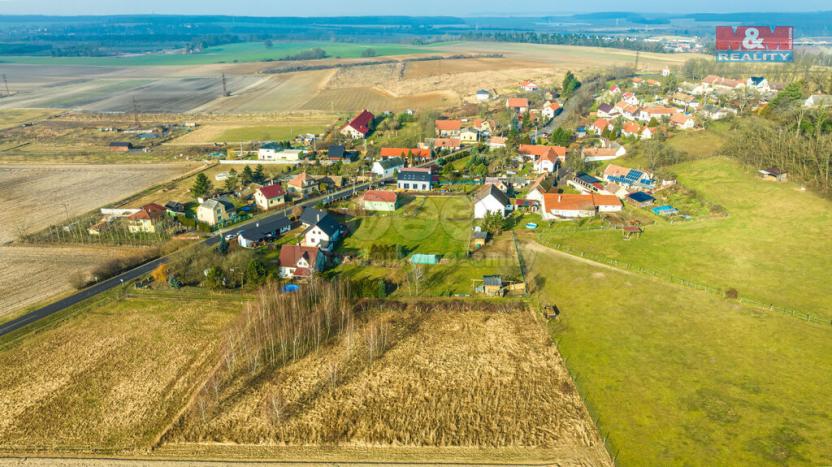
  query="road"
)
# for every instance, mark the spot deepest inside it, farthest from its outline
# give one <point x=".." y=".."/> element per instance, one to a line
<point x="145" y="268"/>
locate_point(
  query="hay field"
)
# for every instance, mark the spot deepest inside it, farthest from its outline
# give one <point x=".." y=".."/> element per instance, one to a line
<point x="447" y="375"/>
<point x="112" y="376"/>
<point x="31" y="275"/>
<point x="246" y="128"/>
<point x="33" y="197"/>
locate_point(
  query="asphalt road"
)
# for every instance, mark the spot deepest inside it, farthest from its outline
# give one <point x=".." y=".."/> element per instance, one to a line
<point x="145" y="268"/>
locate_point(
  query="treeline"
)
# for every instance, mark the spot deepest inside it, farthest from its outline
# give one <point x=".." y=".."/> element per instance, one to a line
<point x="812" y="69"/>
<point x="589" y="40"/>
<point x="292" y="69"/>
<point x="312" y="54"/>
<point x="761" y="143"/>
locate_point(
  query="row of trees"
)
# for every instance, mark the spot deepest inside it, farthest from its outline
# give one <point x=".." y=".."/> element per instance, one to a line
<point x="202" y="184"/>
<point x="592" y="40"/>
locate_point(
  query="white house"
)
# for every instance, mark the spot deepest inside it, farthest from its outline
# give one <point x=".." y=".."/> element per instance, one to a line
<point x="324" y="234"/>
<point x="682" y="121"/>
<point x="550" y="109"/>
<point x="387" y="167"/>
<point x="269" y="196"/>
<point x="483" y="95"/>
<point x="214" y="211"/>
<point x="300" y="261"/>
<point x="529" y="86"/>
<point x="490" y="199"/>
<point x="603" y="154"/>
<point x="415" y="179"/>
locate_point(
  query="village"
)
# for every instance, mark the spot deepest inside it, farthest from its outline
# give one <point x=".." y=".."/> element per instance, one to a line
<point x="506" y="159"/>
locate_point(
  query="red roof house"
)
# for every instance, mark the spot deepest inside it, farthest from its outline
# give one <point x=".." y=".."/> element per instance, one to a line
<point x="360" y="126"/>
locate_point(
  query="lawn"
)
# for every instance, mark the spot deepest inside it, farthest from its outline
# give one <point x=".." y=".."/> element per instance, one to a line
<point x="241" y="52"/>
<point x="773" y="246"/>
<point x="681" y="377"/>
<point x="111" y="373"/>
<point x="425" y="224"/>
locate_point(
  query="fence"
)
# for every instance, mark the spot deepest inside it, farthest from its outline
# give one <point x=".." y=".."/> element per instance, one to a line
<point x="802" y="315"/>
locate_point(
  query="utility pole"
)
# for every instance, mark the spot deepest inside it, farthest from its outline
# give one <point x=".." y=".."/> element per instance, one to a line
<point x="637" y="54"/>
<point x="6" y="83"/>
<point x="225" y="92"/>
<point x="136" y="113"/>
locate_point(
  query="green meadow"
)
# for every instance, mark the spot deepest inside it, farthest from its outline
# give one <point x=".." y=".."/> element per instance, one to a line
<point x="229" y="53"/>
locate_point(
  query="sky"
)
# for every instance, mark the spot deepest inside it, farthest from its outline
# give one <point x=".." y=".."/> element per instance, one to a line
<point x="397" y="7"/>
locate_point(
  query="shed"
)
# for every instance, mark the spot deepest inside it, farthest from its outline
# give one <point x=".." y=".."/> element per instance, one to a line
<point x="774" y="174"/>
<point x="420" y="258"/>
<point x="640" y="199"/>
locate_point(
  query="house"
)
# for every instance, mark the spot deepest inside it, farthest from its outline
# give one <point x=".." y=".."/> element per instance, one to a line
<point x="338" y="152"/>
<point x="496" y="142"/>
<point x="380" y="200"/>
<point x="146" y="219"/>
<point x="447" y="144"/>
<point x="529" y="86"/>
<point x="490" y="199"/>
<point x="603" y="154"/>
<point x="637" y="82"/>
<point x="607" y="111"/>
<point x="492" y="286"/>
<point x="360" y="126"/>
<point x="415" y="179"/>
<point x="640" y="199"/>
<point x="269" y="196"/>
<point x="684" y="100"/>
<point x="606" y="203"/>
<point x="713" y="112"/>
<point x="665" y="72"/>
<point x="586" y="183"/>
<point x="629" y="98"/>
<point x="567" y="206"/>
<point x="302" y="184"/>
<point x="485" y="127"/>
<point x="448" y="128"/>
<point x="121" y="146"/>
<point x="545" y="158"/>
<point x="550" y="109"/>
<point x="599" y="126"/>
<point x="214" y="211"/>
<point x="682" y="121"/>
<point x="539" y="187"/>
<point x="387" y="167"/>
<point x="629" y="178"/>
<point x="635" y="130"/>
<point x="760" y="83"/>
<point x="496" y="182"/>
<point x="412" y="154"/>
<point x="774" y="174"/>
<point x="614" y="89"/>
<point x="483" y="95"/>
<point x="323" y="234"/>
<point x="658" y="112"/>
<point x="263" y="231"/>
<point x="518" y="105"/>
<point x="469" y="136"/>
<point x="300" y="261"/>
<point x="311" y="216"/>
<point x="818" y="100"/>
<point x="276" y="152"/>
<point x="718" y="83"/>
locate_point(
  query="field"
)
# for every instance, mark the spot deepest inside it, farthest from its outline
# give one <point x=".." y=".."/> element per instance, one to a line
<point x="37" y="196"/>
<point x="682" y="377"/>
<point x="771" y="247"/>
<point x="32" y="275"/>
<point x="443" y="378"/>
<point x="111" y="377"/>
<point x="242" y="52"/>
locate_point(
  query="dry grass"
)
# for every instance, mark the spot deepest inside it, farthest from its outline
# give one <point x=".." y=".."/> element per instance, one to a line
<point x="31" y="275"/>
<point x="448" y="374"/>
<point x="111" y="377"/>
<point x="36" y="196"/>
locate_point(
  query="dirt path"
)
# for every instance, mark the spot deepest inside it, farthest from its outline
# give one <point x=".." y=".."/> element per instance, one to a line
<point x="538" y="248"/>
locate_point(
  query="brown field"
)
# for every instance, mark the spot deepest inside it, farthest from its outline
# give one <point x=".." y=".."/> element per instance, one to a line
<point x="32" y="275"/>
<point x="217" y="130"/>
<point x="111" y="377"/>
<point x="413" y="376"/>
<point x="33" y="197"/>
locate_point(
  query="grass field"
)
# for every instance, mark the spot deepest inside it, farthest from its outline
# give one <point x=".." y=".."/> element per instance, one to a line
<point x="242" y="52"/>
<point x="682" y="377"/>
<point x="444" y="377"/>
<point x="269" y="132"/>
<point x="431" y="225"/>
<point x="113" y="375"/>
<point x="773" y="245"/>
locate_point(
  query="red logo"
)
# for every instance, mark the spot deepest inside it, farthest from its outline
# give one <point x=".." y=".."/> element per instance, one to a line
<point x="754" y="38"/>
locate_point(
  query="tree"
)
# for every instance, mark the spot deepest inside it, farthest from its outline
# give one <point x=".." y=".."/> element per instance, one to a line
<point x="493" y="223"/>
<point x="366" y="53"/>
<point x="787" y="98"/>
<point x="670" y="83"/>
<point x="297" y="211"/>
<point x="160" y="274"/>
<point x="560" y="137"/>
<point x="215" y="278"/>
<point x="231" y="181"/>
<point x="223" y="246"/>
<point x="570" y="84"/>
<point x="259" y="175"/>
<point x="255" y="272"/>
<point x="202" y="186"/>
<point x="247" y="175"/>
<point x="659" y="154"/>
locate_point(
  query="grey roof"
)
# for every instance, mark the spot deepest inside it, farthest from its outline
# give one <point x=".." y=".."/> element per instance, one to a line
<point x="336" y="150"/>
<point x="492" y="190"/>
<point x="493" y="281"/>
<point x="265" y="229"/>
<point x="213" y="203"/>
<point x="328" y="224"/>
<point x="312" y="216"/>
<point x="391" y="163"/>
<point x="415" y="176"/>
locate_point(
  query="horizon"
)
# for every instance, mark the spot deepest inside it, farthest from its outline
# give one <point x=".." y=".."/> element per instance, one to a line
<point x="426" y="8"/>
